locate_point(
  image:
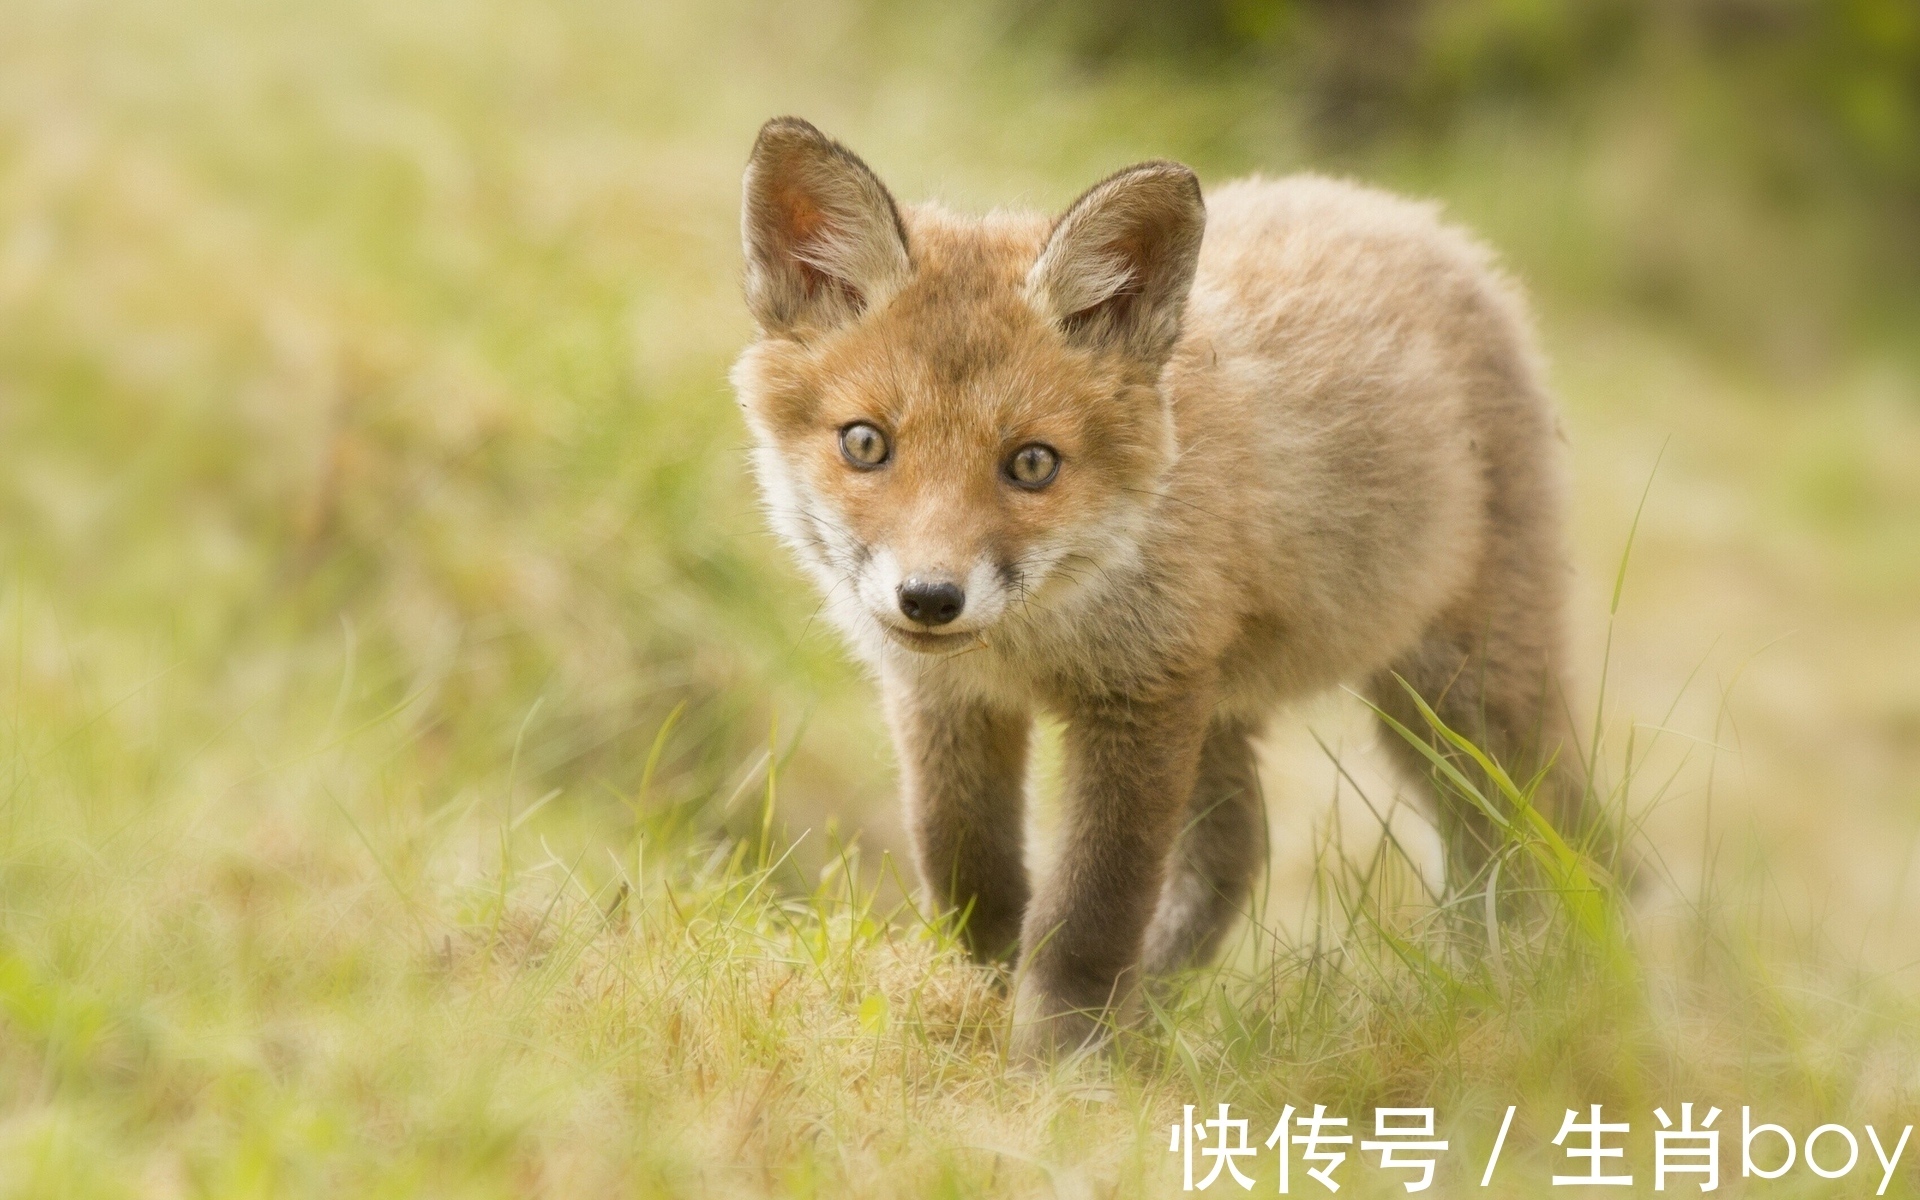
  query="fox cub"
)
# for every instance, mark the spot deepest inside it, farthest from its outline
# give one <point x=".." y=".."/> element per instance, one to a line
<point x="1156" y="466"/>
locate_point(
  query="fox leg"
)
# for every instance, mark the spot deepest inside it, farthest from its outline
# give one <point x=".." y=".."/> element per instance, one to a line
<point x="963" y="767"/>
<point x="1130" y="773"/>
<point x="1217" y="856"/>
<point x="1507" y="698"/>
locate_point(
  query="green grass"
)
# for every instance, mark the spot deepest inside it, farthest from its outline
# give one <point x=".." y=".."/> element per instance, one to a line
<point x="325" y="974"/>
<point x="421" y="774"/>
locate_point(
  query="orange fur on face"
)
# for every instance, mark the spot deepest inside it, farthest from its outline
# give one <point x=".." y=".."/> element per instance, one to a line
<point x="958" y="371"/>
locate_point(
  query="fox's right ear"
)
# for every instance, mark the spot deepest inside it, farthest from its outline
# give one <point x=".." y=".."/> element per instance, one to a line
<point x="824" y="241"/>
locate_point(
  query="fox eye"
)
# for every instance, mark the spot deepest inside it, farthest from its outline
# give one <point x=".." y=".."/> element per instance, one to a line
<point x="1033" y="466"/>
<point x="864" y="445"/>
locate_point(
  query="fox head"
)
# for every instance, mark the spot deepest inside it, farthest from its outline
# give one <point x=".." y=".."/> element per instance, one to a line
<point x="959" y="421"/>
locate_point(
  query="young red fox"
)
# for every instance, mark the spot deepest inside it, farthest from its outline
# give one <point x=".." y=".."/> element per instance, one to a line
<point x="1157" y="467"/>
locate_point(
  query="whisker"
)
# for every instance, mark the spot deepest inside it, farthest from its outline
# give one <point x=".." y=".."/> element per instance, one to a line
<point x="1175" y="499"/>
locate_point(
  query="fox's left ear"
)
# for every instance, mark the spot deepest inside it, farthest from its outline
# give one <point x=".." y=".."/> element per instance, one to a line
<point x="824" y="242"/>
<point x="1118" y="265"/>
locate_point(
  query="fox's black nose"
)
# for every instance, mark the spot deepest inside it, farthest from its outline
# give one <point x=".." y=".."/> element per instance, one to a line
<point x="930" y="602"/>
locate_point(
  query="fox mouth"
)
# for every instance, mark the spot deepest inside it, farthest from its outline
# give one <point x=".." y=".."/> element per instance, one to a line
<point x="930" y="643"/>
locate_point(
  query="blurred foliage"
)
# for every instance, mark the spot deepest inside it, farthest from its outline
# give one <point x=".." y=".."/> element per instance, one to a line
<point x="1809" y="106"/>
<point x="379" y="351"/>
<point x="1835" y="84"/>
<point x="345" y="342"/>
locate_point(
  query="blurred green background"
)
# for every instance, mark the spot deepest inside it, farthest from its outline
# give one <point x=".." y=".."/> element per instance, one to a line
<point x="361" y="359"/>
<point x="372" y="499"/>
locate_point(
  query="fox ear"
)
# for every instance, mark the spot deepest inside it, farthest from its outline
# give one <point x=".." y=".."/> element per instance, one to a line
<point x="1118" y="264"/>
<point x="824" y="241"/>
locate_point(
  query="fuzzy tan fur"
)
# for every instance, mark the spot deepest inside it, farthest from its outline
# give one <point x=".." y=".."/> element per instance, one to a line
<point x="1307" y="446"/>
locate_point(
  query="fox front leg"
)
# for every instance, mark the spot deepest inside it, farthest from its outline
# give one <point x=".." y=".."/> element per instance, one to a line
<point x="963" y="766"/>
<point x="1131" y="765"/>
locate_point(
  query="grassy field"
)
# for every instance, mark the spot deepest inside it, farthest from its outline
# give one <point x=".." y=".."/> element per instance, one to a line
<point x="422" y="776"/>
